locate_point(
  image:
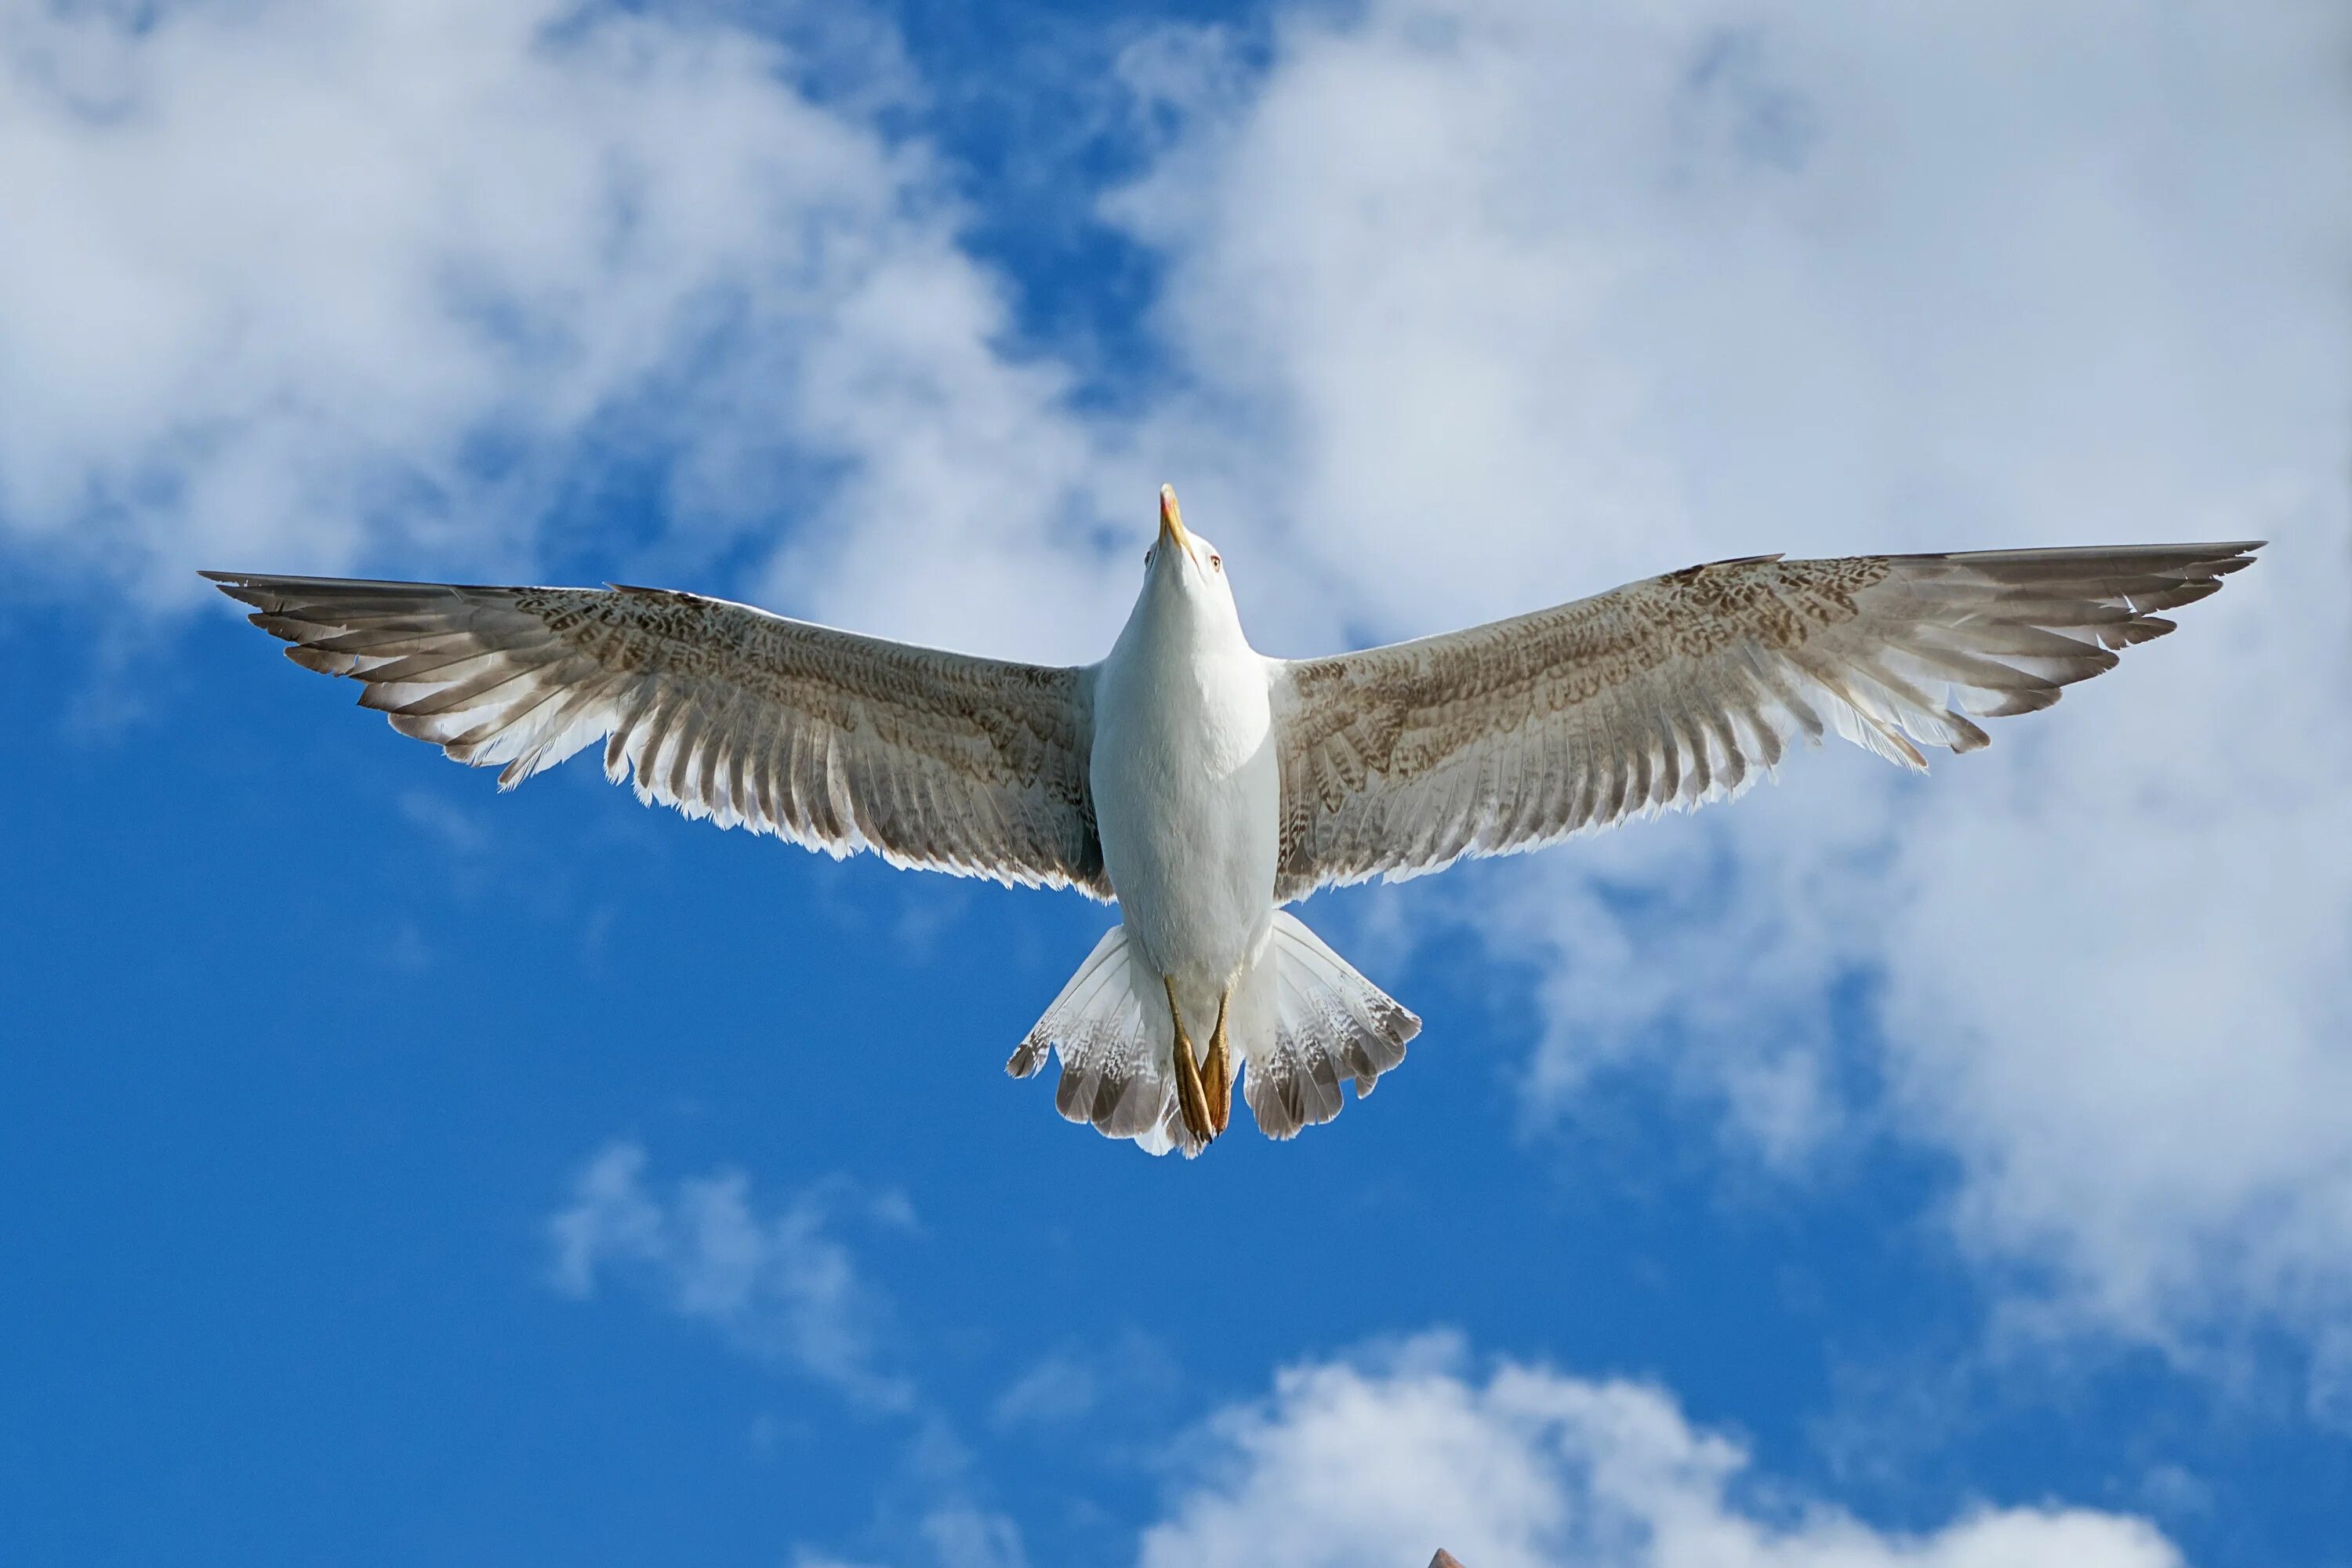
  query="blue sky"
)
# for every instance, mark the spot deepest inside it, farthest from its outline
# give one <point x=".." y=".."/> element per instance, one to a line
<point x="1951" y="1170"/>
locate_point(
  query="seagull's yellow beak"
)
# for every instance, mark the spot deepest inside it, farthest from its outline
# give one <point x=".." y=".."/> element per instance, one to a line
<point x="1171" y="521"/>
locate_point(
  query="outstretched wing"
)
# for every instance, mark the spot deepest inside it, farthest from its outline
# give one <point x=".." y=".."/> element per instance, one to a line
<point x="1678" y="690"/>
<point x="835" y="741"/>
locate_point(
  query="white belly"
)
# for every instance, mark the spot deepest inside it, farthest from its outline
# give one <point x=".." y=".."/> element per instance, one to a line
<point x="1188" y="803"/>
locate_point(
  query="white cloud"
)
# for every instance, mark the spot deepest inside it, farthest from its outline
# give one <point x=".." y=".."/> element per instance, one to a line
<point x="777" y="1282"/>
<point x="780" y="1285"/>
<point x="316" y="287"/>
<point x="1128" y="1372"/>
<point x="1489" y="302"/>
<point x="1054" y="1391"/>
<point x="1385" y="1460"/>
<point x="1472" y="304"/>
<point x="962" y="1536"/>
<point x="952" y="1535"/>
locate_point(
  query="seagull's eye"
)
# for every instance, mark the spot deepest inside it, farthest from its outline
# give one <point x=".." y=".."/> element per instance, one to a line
<point x="1218" y="562"/>
<point x="1146" y="557"/>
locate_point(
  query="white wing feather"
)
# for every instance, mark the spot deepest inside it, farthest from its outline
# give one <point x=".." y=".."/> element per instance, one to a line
<point x="835" y="741"/>
<point x="1681" y="689"/>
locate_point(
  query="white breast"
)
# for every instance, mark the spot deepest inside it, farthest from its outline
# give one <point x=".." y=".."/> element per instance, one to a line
<point x="1187" y="797"/>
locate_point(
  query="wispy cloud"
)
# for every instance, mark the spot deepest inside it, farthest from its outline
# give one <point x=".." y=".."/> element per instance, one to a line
<point x="955" y="1535"/>
<point x="411" y="281"/>
<point x="1595" y="293"/>
<point x="776" y="1282"/>
<point x="1387" y="1456"/>
<point x="1124" y="1373"/>
<point x="1587" y="294"/>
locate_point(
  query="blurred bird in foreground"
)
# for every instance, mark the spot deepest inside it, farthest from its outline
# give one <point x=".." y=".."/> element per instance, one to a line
<point x="1203" y="785"/>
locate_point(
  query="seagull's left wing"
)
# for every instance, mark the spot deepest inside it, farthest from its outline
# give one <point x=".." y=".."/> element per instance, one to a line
<point x="1677" y="690"/>
<point x="836" y="740"/>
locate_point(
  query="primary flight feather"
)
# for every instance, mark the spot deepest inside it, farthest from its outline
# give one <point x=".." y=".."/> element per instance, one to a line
<point x="1203" y="785"/>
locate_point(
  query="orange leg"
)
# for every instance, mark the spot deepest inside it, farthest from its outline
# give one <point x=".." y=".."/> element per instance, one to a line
<point x="1217" y="1072"/>
<point x="1191" y="1095"/>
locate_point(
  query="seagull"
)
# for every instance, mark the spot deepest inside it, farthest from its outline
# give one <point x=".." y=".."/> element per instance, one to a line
<point x="1202" y="785"/>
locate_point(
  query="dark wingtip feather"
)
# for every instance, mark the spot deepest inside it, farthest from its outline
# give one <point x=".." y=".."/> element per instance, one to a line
<point x="2196" y="588"/>
<point x="1967" y="737"/>
<point x="244" y="592"/>
<point x="2032" y="701"/>
<point x="415" y="727"/>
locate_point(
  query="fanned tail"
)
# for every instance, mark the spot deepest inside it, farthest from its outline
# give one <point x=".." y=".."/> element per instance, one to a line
<point x="1110" y="1024"/>
<point x="1302" y="1020"/>
<point x="1310" y="1020"/>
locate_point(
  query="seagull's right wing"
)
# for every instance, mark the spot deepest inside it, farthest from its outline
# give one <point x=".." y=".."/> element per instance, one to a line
<point x="835" y="741"/>
<point x="1673" y="691"/>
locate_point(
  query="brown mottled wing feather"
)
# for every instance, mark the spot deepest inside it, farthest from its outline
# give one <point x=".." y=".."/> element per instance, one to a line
<point x="1679" y="689"/>
<point x="835" y="741"/>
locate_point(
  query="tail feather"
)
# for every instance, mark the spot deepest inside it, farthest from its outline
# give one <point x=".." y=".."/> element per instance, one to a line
<point x="1316" y="1020"/>
<point x="1302" y="1020"/>
<point x="1110" y="1024"/>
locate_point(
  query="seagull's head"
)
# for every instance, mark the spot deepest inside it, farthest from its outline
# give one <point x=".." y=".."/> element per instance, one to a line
<point x="1182" y="568"/>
